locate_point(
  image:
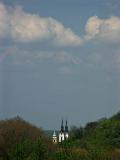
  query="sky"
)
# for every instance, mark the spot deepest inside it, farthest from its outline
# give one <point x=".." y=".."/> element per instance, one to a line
<point x="59" y="59"/>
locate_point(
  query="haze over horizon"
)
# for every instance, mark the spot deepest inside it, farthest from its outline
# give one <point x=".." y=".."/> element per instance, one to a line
<point x="59" y="59"/>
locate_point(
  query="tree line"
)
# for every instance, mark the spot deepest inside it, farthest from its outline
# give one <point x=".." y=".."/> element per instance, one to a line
<point x="99" y="140"/>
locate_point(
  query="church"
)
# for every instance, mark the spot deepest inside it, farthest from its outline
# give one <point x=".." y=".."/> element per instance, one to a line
<point x="63" y="134"/>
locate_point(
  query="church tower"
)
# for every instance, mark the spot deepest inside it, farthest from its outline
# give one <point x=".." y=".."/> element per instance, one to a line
<point x="61" y="134"/>
<point x="66" y="131"/>
<point x="54" y="138"/>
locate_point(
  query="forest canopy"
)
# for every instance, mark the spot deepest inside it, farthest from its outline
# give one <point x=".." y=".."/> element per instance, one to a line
<point x="20" y="140"/>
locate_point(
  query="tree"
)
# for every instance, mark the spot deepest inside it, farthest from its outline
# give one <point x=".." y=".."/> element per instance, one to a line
<point x="76" y="133"/>
<point x="40" y="151"/>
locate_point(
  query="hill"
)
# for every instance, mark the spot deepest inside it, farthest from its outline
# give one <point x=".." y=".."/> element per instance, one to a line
<point x="116" y="116"/>
<point x="20" y="138"/>
<point x="99" y="140"/>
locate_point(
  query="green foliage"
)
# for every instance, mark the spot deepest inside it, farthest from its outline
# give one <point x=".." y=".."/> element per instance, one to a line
<point x="99" y="140"/>
<point x="21" y="150"/>
<point x="29" y="150"/>
<point x="116" y="116"/>
<point x="76" y="133"/>
<point x="71" y="154"/>
<point x="39" y="151"/>
<point x="90" y="128"/>
<point x="20" y="140"/>
<point x="107" y="134"/>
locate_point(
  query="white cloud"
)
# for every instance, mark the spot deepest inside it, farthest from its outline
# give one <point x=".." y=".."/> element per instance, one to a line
<point x="23" y="27"/>
<point x="107" y="30"/>
<point x="26" y="27"/>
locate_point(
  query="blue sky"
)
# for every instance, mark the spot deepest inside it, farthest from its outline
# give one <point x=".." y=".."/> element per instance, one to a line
<point x="59" y="59"/>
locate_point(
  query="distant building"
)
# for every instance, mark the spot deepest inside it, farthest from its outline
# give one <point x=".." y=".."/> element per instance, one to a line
<point x="54" y="138"/>
<point x="63" y="134"/>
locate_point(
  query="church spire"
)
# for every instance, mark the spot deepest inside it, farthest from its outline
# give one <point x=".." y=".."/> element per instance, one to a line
<point x="62" y="127"/>
<point x="66" y="127"/>
<point x="63" y="134"/>
<point x="54" y="137"/>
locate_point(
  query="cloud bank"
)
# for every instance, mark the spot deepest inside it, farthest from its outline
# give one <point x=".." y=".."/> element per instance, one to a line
<point x="23" y="27"/>
<point x="107" y="30"/>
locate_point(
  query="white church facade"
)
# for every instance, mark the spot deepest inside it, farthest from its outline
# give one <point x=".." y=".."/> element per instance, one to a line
<point x="63" y="134"/>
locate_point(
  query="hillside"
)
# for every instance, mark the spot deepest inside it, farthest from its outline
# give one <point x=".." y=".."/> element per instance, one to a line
<point x="20" y="137"/>
<point x="102" y="133"/>
<point x="99" y="140"/>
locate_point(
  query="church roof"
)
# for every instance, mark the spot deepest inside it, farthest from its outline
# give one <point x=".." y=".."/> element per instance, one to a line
<point x="54" y="134"/>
